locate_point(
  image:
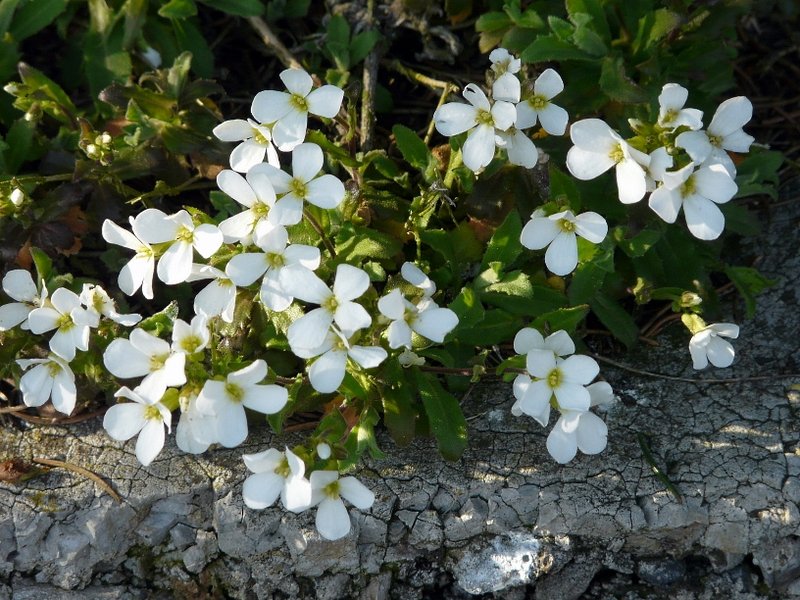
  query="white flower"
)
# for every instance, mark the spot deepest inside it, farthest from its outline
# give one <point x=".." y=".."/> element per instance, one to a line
<point x="505" y="65"/>
<point x="289" y="111"/>
<point x="50" y="378"/>
<point x="563" y="378"/>
<point x="527" y="339"/>
<point x="192" y="420"/>
<point x="66" y="315"/>
<point x="520" y="148"/>
<point x="671" y="113"/>
<point x="256" y="143"/>
<point x="190" y="338"/>
<point x="244" y="269"/>
<point x="336" y="306"/>
<point x="425" y="319"/>
<point x="138" y="272"/>
<point x="724" y="133"/>
<point x="707" y="345"/>
<point x="325" y="191"/>
<point x="698" y="192"/>
<point x="580" y="430"/>
<point x="276" y="474"/>
<point x="218" y="298"/>
<point x="255" y="193"/>
<point x="598" y="148"/>
<point x="19" y="286"/>
<point x="552" y="118"/>
<point x="333" y="521"/>
<point x="145" y="416"/>
<point x="175" y="265"/>
<point x="226" y="400"/>
<point x="407" y="358"/>
<point x="98" y="302"/>
<point x="558" y="233"/>
<point x="481" y="118"/>
<point x="327" y="372"/>
<point x="145" y="355"/>
<point x="417" y="277"/>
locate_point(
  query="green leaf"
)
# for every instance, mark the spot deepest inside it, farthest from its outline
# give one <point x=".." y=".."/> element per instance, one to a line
<point x="468" y="309"/>
<point x="563" y="189"/>
<point x="43" y="264"/>
<point x="496" y="327"/>
<point x="654" y="26"/>
<point x="567" y="319"/>
<point x="517" y="294"/>
<point x="758" y="174"/>
<point x="161" y="322"/>
<point x="616" y="318"/>
<point x="33" y="16"/>
<point x="550" y="48"/>
<point x="593" y="9"/>
<point x="639" y="244"/>
<point x="615" y="82"/>
<point x="411" y="146"/>
<point x="504" y="247"/>
<point x="447" y="422"/>
<point x="7" y="8"/>
<point x="493" y="21"/>
<point x="36" y="81"/>
<point x="238" y="8"/>
<point x="400" y="412"/>
<point x="355" y="243"/>
<point x="189" y="37"/>
<point x="337" y="42"/>
<point x="750" y="283"/>
<point x="585" y="37"/>
<point x="178" y="9"/>
<point x="362" y="44"/>
<point x="590" y="276"/>
<point x="19" y="139"/>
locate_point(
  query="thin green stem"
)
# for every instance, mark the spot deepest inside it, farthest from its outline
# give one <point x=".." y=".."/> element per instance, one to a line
<point x="318" y="228"/>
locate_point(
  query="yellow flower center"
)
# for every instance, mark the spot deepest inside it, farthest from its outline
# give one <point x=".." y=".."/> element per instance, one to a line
<point x="554" y="378"/>
<point x="715" y="140"/>
<point x="53" y="368"/>
<point x="157" y="361"/>
<point x="299" y="103"/>
<point x="65" y="323"/>
<point x="670" y="116"/>
<point x="332" y="490"/>
<point x="298" y="188"/>
<point x="275" y="260"/>
<point x="259" y="137"/>
<point x="152" y="412"/>
<point x="566" y="225"/>
<point x="235" y="392"/>
<point x="184" y="235"/>
<point x="283" y="468"/>
<point x="689" y="187"/>
<point x="484" y="117"/>
<point x="259" y="209"/>
<point x="330" y="303"/>
<point x="538" y="102"/>
<point x="191" y="343"/>
<point x="617" y="154"/>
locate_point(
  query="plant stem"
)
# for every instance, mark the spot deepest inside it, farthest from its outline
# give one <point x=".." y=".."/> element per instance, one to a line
<point x="272" y="42"/>
<point x="318" y="228"/>
<point x="416" y="77"/>
<point x="445" y="93"/>
<point x="369" y="80"/>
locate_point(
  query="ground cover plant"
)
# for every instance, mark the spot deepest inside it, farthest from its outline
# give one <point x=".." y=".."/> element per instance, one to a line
<point x="329" y="219"/>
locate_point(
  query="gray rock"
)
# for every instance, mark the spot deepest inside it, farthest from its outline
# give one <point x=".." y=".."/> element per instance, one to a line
<point x="501" y="562"/>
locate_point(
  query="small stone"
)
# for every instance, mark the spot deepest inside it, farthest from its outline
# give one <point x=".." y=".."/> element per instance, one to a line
<point x="661" y="572"/>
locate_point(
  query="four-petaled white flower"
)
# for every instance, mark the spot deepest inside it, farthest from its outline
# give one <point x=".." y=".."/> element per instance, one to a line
<point x="671" y="113"/>
<point x="50" y="378"/>
<point x="558" y="233"/>
<point x="255" y="193"/>
<point x="565" y="379"/>
<point x="145" y="355"/>
<point x="256" y="143"/>
<point x="707" y="345"/>
<point x="64" y="313"/>
<point x="333" y="520"/>
<point x="425" y="319"/>
<point x="327" y="372"/>
<point x="244" y="269"/>
<point x="218" y="298"/>
<point x="505" y="66"/>
<point x="175" y="265"/>
<point x="527" y="339"/>
<point x="698" y="192"/>
<point x="145" y="416"/>
<point x="303" y="185"/>
<point x="519" y="147"/>
<point x="598" y="148"/>
<point x="289" y="111"/>
<point x="190" y="338"/>
<point x="336" y="306"/>
<point x="724" y="133"/>
<point x="226" y="401"/>
<point x="99" y="303"/>
<point x="19" y="286"/>
<point x="481" y="118"/>
<point x="276" y="474"/>
<point x="137" y="272"/>
<point x="581" y="430"/>
<point x="538" y="106"/>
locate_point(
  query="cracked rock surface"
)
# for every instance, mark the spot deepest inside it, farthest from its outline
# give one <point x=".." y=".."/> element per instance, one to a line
<point x="506" y="521"/>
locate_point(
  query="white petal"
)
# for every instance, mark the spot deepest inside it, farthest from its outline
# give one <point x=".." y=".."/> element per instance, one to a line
<point x="327" y="372"/>
<point x="43" y="319"/>
<point x="731" y="115"/>
<point x="232" y="424"/>
<point x="591" y="226"/>
<point x="435" y="323"/>
<point x="267" y="399"/>
<point x="506" y="87"/>
<point x="114" y="234"/>
<point x="393" y="305"/>
<point x="540" y="362"/>
<point x="562" y="254"/>
<point x="270" y="237"/>
<point x="592" y="434"/>
<point x="587" y="164"/>
<point x="290" y="131"/>
<point x="416" y="277"/>
<point x="350" y="317"/>
<point x="715" y="183"/>
<point x="579" y="369"/>
<point x="527" y="339"/>
<point x="729" y="330"/>
<point x="560" y="343"/>
<point x="454" y="118"/>
<point x="673" y="96"/>
<point x="253" y="373"/>
<point x="267" y="181"/>
<point x="368" y="357"/>
<point x="594" y="135"/>
<point x="296" y="495"/>
<point x="234" y="130"/>
<point x="64" y="392"/>
<point x="697" y="350"/>
<point x="270" y="106"/>
<point x="554" y="119"/>
<point x="310" y="330"/>
<point x="63" y="344"/>
<point x="326" y="191"/>
<point x="535" y="401"/>
<point x="720" y="352"/>
<point x="150" y="441"/>
<point x="124" y="361"/>
<point x="522" y="151"/>
<point x="207" y="239"/>
<point x="333" y="520"/>
<point x="600" y="393"/>
<point x="503" y="114"/>
<point x="548" y="84"/>
<point x="154" y="226"/>
<point x="36" y="385"/>
<point x="478" y="150"/>
<point x="175" y="265"/>
<point x="562" y="446"/>
<point x="666" y="203"/>
<point x="631" y="181"/>
<point x="123" y="421"/>
<point x="297" y="81"/>
<point x="260" y="491"/>
<point x="527" y="115"/>
<point x="236" y="187"/>
<point x="703" y="217"/>
<point x="302" y="255"/>
<point x="287" y="211"/>
<point x="244" y="269"/>
<point x="398" y="334"/>
<point x="18" y="283"/>
<point x="350" y="282"/>
<point x="572" y="396"/>
<point x="238" y="227"/>
<point x="307" y="161"/>
<point x="356" y="493"/>
<point x="216" y="299"/>
<point x="302" y="283"/>
<point x="738" y="141"/>
<point x="247" y="155"/>
<point x="13" y="314"/>
<point x="539" y="232"/>
<point x="695" y="143"/>
<point x="263" y="462"/>
<point x="476" y="97"/>
<point x="325" y="101"/>
<point x="272" y="294"/>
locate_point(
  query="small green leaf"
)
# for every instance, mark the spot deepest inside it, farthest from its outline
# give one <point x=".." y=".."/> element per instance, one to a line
<point x="34" y="15"/>
<point x="161" y="322"/>
<point x="496" y="327"/>
<point x="468" y="309"/>
<point x="447" y="422"/>
<point x="551" y="48"/>
<point x="362" y="44"/>
<point x="615" y="82"/>
<point x="567" y="319"/>
<point x="356" y="243"/>
<point x="238" y="8"/>
<point x="639" y="244"/>
<point x="337" y="42"/>
<point x="750" y="283"/>
<point x="7" y="8"/>
<point x="504" y="247"/>
<point x="411" y="146"/>
<point x="43" y="264"/>
<point x="617" y="319"/>
<point x="178" y="9"/>
<point x="400" y="411"/>
<point x="563" y="189"/>
<point x="19" y="139"/>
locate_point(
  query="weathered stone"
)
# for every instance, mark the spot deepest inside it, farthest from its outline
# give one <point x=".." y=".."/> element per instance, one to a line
<point x="500" y="562"/>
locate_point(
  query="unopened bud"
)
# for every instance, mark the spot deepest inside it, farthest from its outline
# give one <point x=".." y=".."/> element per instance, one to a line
<point x="323" y="451"/>
<point x="689" y="299"/>
<point x="693" y="322"/>
<point x="17" y="196"/>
